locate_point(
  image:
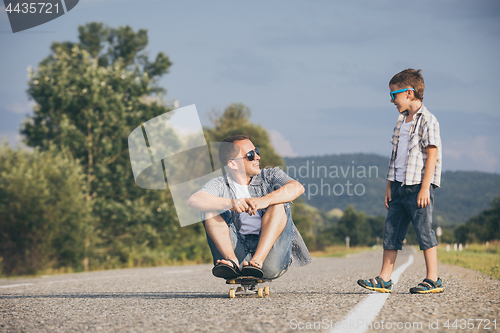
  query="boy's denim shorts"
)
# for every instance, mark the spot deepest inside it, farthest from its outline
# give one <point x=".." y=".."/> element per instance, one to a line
<point x="403" y="208"/>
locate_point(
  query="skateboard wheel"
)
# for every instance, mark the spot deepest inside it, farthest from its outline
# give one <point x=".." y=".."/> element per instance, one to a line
<point x="239" y="289"/>
<point x="260" y="292"/>
<point x="232" y="293"/>
<point x="267" y="292"/>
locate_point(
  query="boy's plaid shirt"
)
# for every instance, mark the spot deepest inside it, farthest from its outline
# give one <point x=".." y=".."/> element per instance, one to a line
<point x="423" y="132"/>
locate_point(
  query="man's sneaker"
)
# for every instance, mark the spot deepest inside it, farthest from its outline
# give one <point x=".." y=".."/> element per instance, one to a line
<point x="428" y="287"/>
<point x="377" y="284"/>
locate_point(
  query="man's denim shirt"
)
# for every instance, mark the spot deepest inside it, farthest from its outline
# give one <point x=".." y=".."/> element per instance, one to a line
<point x="269" y="180"/>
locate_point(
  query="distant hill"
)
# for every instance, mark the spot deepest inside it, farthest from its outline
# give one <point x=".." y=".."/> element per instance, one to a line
<point x="337" y="181"/>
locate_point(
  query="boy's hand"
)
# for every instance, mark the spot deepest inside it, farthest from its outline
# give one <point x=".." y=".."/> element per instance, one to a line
<point x="423" y="198"/>
<point x="388" y="196"/>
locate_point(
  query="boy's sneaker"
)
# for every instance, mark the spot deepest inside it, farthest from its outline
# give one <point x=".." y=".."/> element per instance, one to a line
<point x="377" y="284"/>
<point x="428" y="286"/>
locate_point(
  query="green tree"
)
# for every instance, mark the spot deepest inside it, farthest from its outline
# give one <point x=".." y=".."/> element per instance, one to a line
<point x="89" y="97"/>
<point x="376" y="224"/>
<point x="45" y="219"/>
<point x="354" y="225"/>
<point x="481" y="228"/>
<point x="306" y="219"/>
<point x="89" y="100"/>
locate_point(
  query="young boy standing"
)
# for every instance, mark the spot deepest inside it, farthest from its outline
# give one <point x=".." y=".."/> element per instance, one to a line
<point x="414" y="173"/>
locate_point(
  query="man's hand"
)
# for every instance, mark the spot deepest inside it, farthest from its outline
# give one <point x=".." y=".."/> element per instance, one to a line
<point x="240" y="205"/>
<point x="423" y="198"/>
<point x="250" y="205"/>
<point x="257" y="203"/>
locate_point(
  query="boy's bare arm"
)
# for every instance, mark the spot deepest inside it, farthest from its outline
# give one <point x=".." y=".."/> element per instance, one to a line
<point x="388" y="194"/>
<point x="424" y="196"/>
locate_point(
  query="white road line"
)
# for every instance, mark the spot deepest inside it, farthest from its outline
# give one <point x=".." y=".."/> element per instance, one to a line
<point x="361" y="316"/>
<point x="16" y="285"/>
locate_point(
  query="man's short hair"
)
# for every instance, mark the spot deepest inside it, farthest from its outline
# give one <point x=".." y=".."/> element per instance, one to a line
<point x="410" y="78"/>
<point x="228" y="150"/>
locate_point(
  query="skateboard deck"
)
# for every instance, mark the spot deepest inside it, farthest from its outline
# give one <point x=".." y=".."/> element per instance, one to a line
<point x="248" y="287"/>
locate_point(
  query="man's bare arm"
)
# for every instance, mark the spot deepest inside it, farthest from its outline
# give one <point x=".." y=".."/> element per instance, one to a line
<point x="205" y="202"/>
<point x="288" y="192"/>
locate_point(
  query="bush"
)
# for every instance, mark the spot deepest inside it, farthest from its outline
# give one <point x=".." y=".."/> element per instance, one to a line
<point x="44" y="212"/>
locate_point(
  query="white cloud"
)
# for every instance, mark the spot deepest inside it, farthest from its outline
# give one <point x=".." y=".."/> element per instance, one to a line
<point x="3" y="14"/>
<point x="282" y="145"/>
<point x="248" y="67"/>
<point x="13" y="138"/>
<point x="20" y="108"/>
<point x="471" y="154"/>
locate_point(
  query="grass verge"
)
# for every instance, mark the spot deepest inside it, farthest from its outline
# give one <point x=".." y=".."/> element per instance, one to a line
<point x="478" y="257"/>
<point x="340" y="251"/>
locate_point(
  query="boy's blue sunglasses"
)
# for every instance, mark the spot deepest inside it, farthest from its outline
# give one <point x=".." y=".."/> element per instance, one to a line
<point x="399" y="91"/>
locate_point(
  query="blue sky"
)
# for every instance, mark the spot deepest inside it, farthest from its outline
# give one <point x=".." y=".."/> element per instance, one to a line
<point x="314" y="73"/>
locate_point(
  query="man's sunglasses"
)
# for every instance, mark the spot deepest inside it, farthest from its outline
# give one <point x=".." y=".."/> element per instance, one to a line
<point x="250" y="155"/>
<point x="399" y="91"/>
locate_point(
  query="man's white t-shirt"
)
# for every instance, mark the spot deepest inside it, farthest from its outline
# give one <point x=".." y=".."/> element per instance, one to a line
<point x="249" y="224"/>
<point x="404" y="131"/>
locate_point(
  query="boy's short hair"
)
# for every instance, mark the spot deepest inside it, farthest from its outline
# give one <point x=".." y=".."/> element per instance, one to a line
<point x="228" y="150"/>
<point x="410" y="78"/>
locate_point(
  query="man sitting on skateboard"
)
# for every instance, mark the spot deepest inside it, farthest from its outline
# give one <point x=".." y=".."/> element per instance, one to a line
<point x="247" y="215"/>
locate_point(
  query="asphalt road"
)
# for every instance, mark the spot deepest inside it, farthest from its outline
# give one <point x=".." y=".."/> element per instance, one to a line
<point x="318" y="297"/>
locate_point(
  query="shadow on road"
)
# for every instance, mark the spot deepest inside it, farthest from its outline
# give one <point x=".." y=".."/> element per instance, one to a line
<point x="163" y="295"/>
<point x="152" y="295"/>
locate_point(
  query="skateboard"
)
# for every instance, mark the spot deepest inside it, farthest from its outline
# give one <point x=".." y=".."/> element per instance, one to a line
<point x="248" y="287"/>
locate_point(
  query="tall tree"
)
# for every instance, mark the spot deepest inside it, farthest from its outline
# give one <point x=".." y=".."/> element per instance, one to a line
<point x="89" y="97"/>
<point x="354" y="225"/>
